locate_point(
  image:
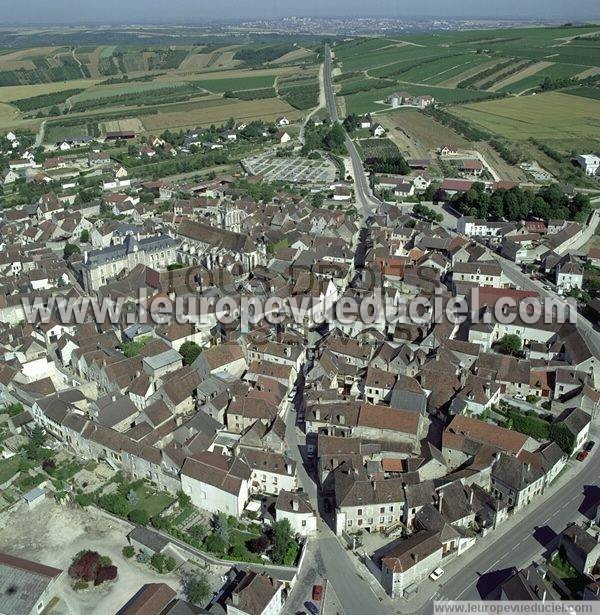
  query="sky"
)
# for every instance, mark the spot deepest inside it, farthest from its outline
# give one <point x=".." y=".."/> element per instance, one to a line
<point x="197" y="11"/>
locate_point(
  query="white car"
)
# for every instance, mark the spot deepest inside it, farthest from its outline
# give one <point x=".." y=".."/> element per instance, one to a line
<point x="519" y="397"/>
<point x="436" y="574"/>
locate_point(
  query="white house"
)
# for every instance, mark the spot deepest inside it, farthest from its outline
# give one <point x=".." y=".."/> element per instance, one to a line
<point x="568" y="276"/>
<point x="407" y="561"/>
<point x="283" y="121"/>
<point x="256" y="594"/>
<point x="590" y="163"/>
<point x="216" y="483"/>
<point x="377" y="130"/>
<point x="296" y="508"/>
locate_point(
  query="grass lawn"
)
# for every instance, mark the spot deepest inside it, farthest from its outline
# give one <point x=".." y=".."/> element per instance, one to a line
<point x="8" y="468"/>
<point x="154" y="502"/>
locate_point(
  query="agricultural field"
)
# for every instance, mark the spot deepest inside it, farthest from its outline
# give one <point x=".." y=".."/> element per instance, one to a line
<point x="562" y="121"/>
<point x="447" y="59"/>
<point x="216" y="111"/>
<point x="378" y="148"/>
<point x="120" y="82"/>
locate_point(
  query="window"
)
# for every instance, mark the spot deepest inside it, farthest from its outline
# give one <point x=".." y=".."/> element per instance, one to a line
<point x="349" y="522"/>
<point x="303" y="523"/>
<point x="382" y="510"/>
<point x="381" y="519"/>
<point x="359" y="512"/>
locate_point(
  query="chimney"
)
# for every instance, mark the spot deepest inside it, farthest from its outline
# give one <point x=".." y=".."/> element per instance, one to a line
<point x="317" y="414"/>
<point x="288" y="351"/>
<point x="113" y="397"/>
<point x="440" y="500"/>
<point x="415" y="556"/>
<point x="471" y="493"/>
<point x="235" y="599"/>
<point x="295" y="506"/>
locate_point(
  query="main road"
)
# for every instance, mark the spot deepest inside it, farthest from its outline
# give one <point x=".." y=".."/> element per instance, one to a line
<point x="362" y="190"/>
<point x="524" y="540"/>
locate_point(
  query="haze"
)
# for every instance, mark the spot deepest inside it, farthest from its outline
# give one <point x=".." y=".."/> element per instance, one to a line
<point x="197" y="11"/>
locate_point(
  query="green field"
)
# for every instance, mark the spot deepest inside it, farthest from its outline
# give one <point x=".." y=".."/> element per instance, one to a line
<point x="367" y="102"/>
<point x="560" y="120"/>
<point x="237" y="83"/>
<point x="378" y="148"/>
<point x="556" y="71"/>
<point x="585" y="92"/>
<point x="438" y="57"/>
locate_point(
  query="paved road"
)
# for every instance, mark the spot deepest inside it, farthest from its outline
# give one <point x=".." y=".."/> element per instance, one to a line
<point x="368" y="203"/>
<point x="529" y="538"/>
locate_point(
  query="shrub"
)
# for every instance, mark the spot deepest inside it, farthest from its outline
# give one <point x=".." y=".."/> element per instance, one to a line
<point x="105" y="560"/>
<point x="139" y="515"/>
<point x="105" y="573"/>
<point x="80" y="585"/>
<point x="258" y="545"/>
<point x="128" y="551"/>
<point x="83" y="499"/>
<point x="170" y="564"/>
<point x="114" y="503"/>
<point x="157" y="561"/>
<point x="215" y="544"/>
<point x="85" y="566"/>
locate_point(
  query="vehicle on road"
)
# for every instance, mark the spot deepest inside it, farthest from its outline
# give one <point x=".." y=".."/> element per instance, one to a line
<point x="589" y="446"/>
<point x="310" y="451"/>
<point x="317" y="593"/>
<point x="436" y="574"/>
<point x="312" y="608"/>
<point x="582" y="455"/>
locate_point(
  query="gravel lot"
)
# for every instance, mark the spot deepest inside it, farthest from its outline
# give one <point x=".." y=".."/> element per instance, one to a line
<point x="53" y="534"/>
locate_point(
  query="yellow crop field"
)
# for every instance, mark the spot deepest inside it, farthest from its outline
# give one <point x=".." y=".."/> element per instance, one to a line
<point x="189" y="117"/>
<point x="551" y="116"/>
<point x="16" y="92"/>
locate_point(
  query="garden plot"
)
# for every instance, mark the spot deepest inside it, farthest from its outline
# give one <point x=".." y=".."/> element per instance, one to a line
<point x="293" y="170"/>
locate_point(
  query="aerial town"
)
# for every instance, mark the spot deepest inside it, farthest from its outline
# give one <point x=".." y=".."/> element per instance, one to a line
<point x="299" y="334"/>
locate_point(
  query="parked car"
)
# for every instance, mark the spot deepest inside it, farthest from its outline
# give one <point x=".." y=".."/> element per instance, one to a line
<point x="436" y="574"/>
<point x="312" y="608"/>
<point x="317" y="593"/>
<point x="582" y="455"/>
<point x="589" y="446"/>
<point x="519" y="397"/>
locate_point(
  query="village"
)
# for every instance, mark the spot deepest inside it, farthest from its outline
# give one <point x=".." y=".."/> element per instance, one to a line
<point x="244" y="466"/>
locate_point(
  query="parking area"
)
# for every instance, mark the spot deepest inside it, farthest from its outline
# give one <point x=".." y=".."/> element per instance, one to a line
<point x="293" y="170"/>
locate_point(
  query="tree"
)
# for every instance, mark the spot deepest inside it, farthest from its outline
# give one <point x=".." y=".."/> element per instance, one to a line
<point x="85" y="236"/>
<point x="85" y="566"/>
<point x="222" y="526"/>
<point x="190" y="352"/>
<point x="197" y="588"/>
<point x="115" y="504"/>
<point x="183" y="499"/>
<point x="70" y="250"/>
<point x="215" y="544"/>
<point x="258" y="545"/>
<point x="38" y="436"/>
<point x="139" y="516"/>
<point x="197" y="532"/>
<point x="281" y="537"/>
<point x="510" y="344"/>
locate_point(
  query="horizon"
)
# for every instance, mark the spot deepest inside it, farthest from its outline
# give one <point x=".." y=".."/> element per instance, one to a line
<point x="190" y="12"/>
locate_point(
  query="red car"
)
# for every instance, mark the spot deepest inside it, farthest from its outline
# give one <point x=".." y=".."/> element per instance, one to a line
<point x="582" y="455"/>
<point x="317" y="592"/>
